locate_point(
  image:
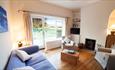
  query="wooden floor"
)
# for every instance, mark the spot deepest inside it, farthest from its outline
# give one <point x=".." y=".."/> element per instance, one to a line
<point x="86" y="61"/>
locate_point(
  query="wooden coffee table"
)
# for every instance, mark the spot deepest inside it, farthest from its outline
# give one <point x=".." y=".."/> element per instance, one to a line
<point x="70" y="58"/>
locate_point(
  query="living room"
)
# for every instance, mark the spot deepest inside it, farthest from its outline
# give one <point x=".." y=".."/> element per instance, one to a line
<point x="94" y="18"/>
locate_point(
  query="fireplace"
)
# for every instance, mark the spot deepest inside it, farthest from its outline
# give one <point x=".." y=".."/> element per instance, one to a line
<point x="90" y="44"/>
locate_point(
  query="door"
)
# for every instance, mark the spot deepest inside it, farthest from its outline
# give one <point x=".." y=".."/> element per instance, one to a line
<point x="38" y="31"/>
<point x="46" y="28"/>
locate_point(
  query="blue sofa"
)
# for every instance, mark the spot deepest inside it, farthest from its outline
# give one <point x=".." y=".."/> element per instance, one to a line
<point x="38" y="61"/>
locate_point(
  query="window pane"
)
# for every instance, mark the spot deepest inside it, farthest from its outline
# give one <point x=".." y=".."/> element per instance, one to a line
<point x="51" y="23"/>
<point x="59" y="23"/>
<point x="54" y="28"/>
<point x="37" y="31"/>
<point x="59" y="33"/>
<point x="50" y="34"/>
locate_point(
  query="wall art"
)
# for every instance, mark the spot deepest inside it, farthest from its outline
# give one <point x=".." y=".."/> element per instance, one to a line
<point x="3" y="20"/>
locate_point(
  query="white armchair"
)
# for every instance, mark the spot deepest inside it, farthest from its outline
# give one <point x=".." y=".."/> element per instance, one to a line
<point x="67" y="43"/>
<point x="106" y="58"/>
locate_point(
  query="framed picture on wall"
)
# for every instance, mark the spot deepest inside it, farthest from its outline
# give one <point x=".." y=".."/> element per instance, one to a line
<point x="75" y="25"/>
<point x="3" y="20"/>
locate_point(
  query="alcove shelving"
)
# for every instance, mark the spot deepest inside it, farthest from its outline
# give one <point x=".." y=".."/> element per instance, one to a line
<point x="75" y="29"/>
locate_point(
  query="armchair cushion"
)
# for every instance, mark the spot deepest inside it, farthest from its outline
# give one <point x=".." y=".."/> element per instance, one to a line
<point x="68" y="42"/>
<point x="107" y="50"/>
<point x="71" y="43"/>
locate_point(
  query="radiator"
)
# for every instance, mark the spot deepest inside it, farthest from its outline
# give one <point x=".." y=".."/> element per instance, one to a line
<point x="53" y="44"/>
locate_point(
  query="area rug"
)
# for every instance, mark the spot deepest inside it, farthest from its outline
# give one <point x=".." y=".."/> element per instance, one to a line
<point x="86" y="62"/>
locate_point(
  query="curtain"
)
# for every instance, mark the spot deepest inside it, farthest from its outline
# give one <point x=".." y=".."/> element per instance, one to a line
<point x="68" y="25"/>
<point x="27" y="28"/>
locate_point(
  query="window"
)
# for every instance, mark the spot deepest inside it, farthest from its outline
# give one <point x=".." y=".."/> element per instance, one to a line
<point x="54" y="28"/>
<point x="47" y="28"/>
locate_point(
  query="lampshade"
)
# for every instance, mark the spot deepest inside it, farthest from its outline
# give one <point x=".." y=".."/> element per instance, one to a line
<point x="112" y="29"/>
<point x="20" y="36"/>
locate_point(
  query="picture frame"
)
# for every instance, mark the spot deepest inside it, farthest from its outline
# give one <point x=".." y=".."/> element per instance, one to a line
<point x="75" y="25"/>
<point x="3" y="20"/>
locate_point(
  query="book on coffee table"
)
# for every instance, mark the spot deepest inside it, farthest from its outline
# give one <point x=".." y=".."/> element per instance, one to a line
<point x="69" y="51"/>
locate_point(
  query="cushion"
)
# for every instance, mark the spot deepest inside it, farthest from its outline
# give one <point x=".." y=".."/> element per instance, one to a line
<point x="22" y="55"/>
<point x="30" y="49"/>
<point x="113" y="51"/>
<point x="36" y="58"/>
<point x="108" y="50"/>
<point x="113" y="46"/>
<point x="44" y="65"/>
<point x="14" y="61"/>
<point x="24" y="68"/>
<point x="102" y="58"/>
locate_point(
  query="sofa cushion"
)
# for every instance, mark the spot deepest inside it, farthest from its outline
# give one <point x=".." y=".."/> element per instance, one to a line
<point x="14" y="62"/>
<point x="22" y="55"/>
<point x="102" y="58"/>
<point x="31" y="49"/>
<point x="44" y="65"/>
<point x="36" y="58"/>
<point x="24" y="68"/>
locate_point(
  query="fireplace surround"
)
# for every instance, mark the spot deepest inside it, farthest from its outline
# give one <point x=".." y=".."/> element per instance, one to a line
<point x="90" y="44"/>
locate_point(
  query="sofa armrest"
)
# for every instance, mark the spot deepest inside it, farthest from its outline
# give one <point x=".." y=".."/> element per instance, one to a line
<point x="111" y="62"/>
<point x="31" y="49"/>
<point x="108" y="50"/>
<point x="14" y="62"/>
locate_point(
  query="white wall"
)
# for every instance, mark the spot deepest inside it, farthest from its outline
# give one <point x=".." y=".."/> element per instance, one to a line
<point x="40" y="7"/>
<point x="94" y="21"/>
<point x="5" y="41"/>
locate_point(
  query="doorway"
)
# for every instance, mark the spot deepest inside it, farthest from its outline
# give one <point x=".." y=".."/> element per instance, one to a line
<point x="111" y="22"/>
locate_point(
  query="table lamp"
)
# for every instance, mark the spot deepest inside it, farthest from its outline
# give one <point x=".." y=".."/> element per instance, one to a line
<point x="20" y="44"/>
<point x="20" y="39"/>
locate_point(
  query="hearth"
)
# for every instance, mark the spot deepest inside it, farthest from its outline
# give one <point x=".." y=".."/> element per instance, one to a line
<point x="90" y="44"/>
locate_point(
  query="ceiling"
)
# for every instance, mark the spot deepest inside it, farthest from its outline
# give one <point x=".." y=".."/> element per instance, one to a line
<point x="70" y="4"/>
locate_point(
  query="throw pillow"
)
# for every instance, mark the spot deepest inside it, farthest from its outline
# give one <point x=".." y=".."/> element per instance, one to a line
<point x="24" y="68"/>
<point x="113" y="46"/>
<point x="22" y="55"/>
